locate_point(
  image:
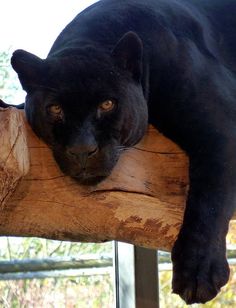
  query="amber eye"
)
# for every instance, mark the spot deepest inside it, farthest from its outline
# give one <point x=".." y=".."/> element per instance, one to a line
<point x="55" y="110"/>
<point x="106" y="106"/>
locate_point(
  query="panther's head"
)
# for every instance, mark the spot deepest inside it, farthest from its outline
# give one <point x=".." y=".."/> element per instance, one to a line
<point x="86" y="104"/>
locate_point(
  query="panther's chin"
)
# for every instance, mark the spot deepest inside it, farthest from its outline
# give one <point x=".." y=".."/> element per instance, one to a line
<point x="88" y="179"/>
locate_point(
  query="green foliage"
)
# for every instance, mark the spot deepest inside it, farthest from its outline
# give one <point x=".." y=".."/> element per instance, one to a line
<point x="22" y="248"/>
<point x="85" y="291"/>
<point x="9" y="84"/>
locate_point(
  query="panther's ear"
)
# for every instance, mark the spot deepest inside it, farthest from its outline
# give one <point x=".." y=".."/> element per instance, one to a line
<point x="28" y="67"/>
<point x="128" y="54"/>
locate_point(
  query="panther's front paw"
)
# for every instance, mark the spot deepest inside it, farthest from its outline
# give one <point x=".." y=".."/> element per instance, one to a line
<point x="198" y="272"/>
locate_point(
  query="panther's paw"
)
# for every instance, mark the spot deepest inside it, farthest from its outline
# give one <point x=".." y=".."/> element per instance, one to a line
<point x="198" y="273"/>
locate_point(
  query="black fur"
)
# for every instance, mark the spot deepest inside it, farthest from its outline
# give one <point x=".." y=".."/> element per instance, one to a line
<point x="172" y="63"/>
<point x="5" y="105"/>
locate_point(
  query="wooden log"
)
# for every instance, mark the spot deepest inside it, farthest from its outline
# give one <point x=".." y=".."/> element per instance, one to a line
<point x="142" y="202"/>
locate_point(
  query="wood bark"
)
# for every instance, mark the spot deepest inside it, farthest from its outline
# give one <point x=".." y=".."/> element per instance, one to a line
<point x="142" y="202"/>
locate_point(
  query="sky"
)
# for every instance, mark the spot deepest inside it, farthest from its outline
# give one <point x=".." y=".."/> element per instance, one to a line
<point x="33" y="25"/>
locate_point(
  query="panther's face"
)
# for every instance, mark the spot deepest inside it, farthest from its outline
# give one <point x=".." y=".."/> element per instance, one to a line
<point x="87" y="106"/>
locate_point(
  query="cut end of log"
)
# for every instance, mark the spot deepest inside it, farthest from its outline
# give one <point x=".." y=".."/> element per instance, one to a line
<point x="14" y="157"/>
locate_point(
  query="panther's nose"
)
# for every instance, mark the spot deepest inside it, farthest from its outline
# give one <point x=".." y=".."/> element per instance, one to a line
<point x="82" y="151"/>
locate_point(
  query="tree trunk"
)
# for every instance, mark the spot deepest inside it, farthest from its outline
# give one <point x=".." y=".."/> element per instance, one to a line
<point x="142" y="202"/>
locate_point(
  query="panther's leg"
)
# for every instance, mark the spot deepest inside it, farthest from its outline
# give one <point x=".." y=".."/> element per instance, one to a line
<point x="200" y="267"/>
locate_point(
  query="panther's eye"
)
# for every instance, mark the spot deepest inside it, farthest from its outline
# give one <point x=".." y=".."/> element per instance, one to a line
<point x="106" y="106"/>
<point x="55" y="110"/>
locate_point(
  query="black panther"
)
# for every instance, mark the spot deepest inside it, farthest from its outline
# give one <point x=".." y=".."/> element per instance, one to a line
<point x="120" y="65"/>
